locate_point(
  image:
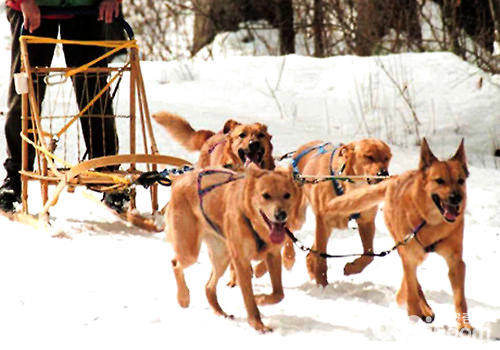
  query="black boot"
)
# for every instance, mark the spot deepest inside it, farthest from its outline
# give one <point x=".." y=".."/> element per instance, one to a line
<point x="10" y="193"/>
<point x="118" y="201"/>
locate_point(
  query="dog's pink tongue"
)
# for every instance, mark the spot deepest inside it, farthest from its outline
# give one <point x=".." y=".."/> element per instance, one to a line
<point x="450" y="212"/>
<point x="277" y="233"/>
<point x="250" y="160"/>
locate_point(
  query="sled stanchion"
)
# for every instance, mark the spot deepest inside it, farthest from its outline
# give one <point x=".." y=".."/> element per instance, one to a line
<point x="24" y="150"/>
<point x="132" y="129"/>
<point x="133" y="54"/>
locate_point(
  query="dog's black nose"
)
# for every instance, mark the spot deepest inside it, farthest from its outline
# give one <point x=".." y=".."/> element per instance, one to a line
<point x="455" y="198"/>
<point x="254" y="145"/>
<point x="280" y="216"/>
<point x="383" y="172"/>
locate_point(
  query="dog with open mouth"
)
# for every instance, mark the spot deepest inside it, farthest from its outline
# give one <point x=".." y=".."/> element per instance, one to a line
<point x="428" y="203"/>
<point x="368" y="157"/>
<point x="236" y="146"/>
<point x="240" y="216"/>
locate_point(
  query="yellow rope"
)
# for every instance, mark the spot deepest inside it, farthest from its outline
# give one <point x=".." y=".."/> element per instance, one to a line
<point x="116" y="179"/>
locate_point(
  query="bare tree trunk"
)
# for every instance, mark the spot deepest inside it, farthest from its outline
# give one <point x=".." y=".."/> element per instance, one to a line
<point x="318" y="24"/>
<point x="495" y="14"/>
<point x="455" y="46"/>
<point x="204" y="29"/>
<point x="284" y="16"/>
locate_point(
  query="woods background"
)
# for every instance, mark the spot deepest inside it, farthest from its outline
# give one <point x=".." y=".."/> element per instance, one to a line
<point x="180" y="28"/>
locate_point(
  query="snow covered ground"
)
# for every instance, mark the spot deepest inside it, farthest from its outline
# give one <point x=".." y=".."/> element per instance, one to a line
<point x="110" y="285"/>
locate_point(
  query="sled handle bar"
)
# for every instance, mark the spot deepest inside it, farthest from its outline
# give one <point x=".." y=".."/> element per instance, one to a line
<point x="81" y="11"/>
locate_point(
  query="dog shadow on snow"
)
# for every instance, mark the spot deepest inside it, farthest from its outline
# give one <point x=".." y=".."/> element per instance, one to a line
<point x="377" y="294"/>
<point x="288" y="324"/>
<point x="365" y="292"/>
<point x="109" y="228"/>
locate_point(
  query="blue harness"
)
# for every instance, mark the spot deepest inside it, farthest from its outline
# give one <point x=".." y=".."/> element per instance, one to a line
<point x="339" y="190"/>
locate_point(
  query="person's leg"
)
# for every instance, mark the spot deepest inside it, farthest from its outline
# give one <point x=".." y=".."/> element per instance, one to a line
<point x="39" y="55"/>
<point x="99" y="132"/>
<point x="99" y="128"/>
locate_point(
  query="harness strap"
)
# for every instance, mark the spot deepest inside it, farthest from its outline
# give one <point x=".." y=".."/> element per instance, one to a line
<point x="339" y="190"/>
<point x="431" y="248"/>
<point x="337" y="187"/>
<point x="215" y="145"/>
<point x="261" y="244"/>
<point x="405" y="241"/>
<point x="295" y="162"/>
<point x="203" y="191"/>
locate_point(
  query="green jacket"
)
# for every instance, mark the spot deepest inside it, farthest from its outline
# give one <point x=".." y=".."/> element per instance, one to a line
<point x="67" y="3"/>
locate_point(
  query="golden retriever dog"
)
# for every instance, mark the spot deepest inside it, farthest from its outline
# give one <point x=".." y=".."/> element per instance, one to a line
<point x="429" y="204"/>
<point x="365" y="157"/>
<point x="240" y="216"/>
<point x="235" y="146"/>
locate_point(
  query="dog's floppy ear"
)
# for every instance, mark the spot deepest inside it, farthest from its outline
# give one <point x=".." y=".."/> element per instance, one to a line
<point x="263" y="128"/>
<point x="229" y="125"/>
<point x="426" y="155"/>
<point x="345" y="151"/>
<point x="460" y="156"/>
<point x="254" y="170"/>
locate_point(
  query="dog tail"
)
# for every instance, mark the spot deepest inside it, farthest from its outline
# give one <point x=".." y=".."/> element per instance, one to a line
<point x="181" y="131"/>
<point x="358" y="200"/>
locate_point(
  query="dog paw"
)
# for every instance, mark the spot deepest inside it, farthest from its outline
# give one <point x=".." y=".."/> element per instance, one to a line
<point x="259" y="326"/>
<point x="357" y="265"/>
<point x="232" y="283"/>
<point x="317" y="269"/>
<point x="426" y="316"/>
<point x="351" y="269"/>
<point x="266" y="299"/>
<point x="223" y="314"/>
<point x="264" y="329"/>
<point x="183" y="299"/>
<point x="260" y="269"/>
<point x="233" y="280"/>
<point x="428" y="319"/>
<point x="465" y="329"/>
<point x="463" y="324"/>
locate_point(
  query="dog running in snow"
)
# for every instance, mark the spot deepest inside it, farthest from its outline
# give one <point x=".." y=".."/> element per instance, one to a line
<point x="364" y="157"/>
<point x="240" y="216"/>
<point x="428" y="202"/>
<point x="234" y="147"/>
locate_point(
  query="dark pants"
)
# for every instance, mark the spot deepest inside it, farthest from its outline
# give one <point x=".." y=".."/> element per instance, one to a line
<point x="99" y="133"/>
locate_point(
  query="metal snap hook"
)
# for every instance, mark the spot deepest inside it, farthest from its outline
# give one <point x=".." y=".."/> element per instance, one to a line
<point x="51" y="79"/>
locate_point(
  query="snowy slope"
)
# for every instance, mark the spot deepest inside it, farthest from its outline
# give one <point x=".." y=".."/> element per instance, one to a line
<point x="110" y="285"/>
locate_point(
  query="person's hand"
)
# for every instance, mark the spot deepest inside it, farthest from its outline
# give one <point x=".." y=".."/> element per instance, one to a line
<point x="108" y="10"/>
<point x="31" y="15"/>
